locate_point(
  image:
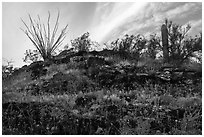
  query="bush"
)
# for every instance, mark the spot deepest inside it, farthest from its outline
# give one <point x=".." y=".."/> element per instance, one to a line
<point x="32" y="56"/>
<point x="81" y="43"/>
<point x="130" y="44"/>
<point x="7" y="69"/>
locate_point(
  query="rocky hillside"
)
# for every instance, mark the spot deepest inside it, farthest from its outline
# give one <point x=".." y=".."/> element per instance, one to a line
<point x="102" y="92"/>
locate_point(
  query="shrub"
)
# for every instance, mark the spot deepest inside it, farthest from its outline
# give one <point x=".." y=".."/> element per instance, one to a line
<point x="130" y="44"/>
<point x="7" y="70"/>
<point x="153" y="46"/>
<point x="81" y="43"/>
<point x="32" y="56"/>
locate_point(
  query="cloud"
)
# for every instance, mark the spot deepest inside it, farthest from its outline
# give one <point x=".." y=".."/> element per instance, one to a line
<point x="196" y="23"/>
<point x="196" y="27"/>
<point x="150" y="18"/>
<point x="181" y="11"/>
<point x="118" y="15"/>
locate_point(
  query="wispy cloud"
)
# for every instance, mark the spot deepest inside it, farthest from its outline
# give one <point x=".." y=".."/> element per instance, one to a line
<point x="118" y="15"/>
<point x="181" y="11"/>
<point x="147" y="20"/>
<point x="196" y="27"/>
<point x="196" y="23"/>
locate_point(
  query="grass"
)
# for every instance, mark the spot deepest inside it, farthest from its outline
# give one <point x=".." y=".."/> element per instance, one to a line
<point x="112" y="107"/>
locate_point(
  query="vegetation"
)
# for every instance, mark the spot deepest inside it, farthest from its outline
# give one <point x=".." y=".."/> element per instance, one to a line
<point x="7" y="69"/>
<point x="31" y="56"/>
<point x="130" y="44"/>
<point x="82" y="43"/>
<point x="180" y="47"/>
<point x="126" y="90"/>
<point x="43" y="38"/>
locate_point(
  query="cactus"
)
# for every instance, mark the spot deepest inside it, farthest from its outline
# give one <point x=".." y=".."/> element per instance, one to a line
<point x="164" y="33"/>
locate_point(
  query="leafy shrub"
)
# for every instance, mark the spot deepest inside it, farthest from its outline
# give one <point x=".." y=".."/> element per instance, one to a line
<point x="130" y="44"/>
<point x="7" y="71"/>
<point x="32" y="56"/>
<point x="82" y="43"/>
<point x="153" y="46"/>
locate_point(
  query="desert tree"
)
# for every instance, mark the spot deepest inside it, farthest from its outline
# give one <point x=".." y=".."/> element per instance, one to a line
<point x="43" y="37"/>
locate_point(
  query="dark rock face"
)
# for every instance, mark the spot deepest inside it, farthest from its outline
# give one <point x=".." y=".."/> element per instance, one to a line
<point x="65" y="83"/>
<point x="123" y="77"/>
<point x="95" y="61"/>
<point x="78" y="59"/>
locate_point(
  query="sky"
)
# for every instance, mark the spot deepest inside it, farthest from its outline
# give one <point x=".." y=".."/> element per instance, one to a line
<point x="105" y="21"/>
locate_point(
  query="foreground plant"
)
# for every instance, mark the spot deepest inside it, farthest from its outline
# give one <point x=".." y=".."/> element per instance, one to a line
<point x="43" y="38"/>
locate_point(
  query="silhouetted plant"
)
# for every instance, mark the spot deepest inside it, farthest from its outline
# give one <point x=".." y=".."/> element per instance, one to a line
<point x="192" y="45"/>
<point x="43" y="37"/>
<point x="32" y="56"/>
<point x="81" y="43"/>
<point x="131" y="44"/>
<point x="139" y="44"/>
<point x="7" y="69"/>
<point x="153" y="46"/>
<point x="124" y="44"/>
